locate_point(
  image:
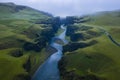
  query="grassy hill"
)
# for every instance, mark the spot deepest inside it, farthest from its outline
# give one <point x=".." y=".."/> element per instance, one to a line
<point x="24" y="34"/>
<point x="13" y="11"/>
<point x="90" y="54"/>
<point x="109" y="20"/>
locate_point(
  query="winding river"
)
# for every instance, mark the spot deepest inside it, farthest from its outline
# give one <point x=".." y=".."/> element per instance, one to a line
<point x="49" y="69"/>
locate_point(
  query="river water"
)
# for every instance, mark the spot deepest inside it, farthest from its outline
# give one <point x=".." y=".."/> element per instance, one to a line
<point x="49" y="69"/>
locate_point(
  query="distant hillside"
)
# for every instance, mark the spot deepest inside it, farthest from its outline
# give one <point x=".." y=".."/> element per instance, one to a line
<point x="13" y="11"/>
<point x="24" y="36"/>
<point x="108" y="18"/>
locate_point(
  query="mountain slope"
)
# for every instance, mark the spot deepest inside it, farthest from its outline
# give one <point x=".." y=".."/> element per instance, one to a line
<point x="109" y="20"/>
<point x="24" y="34"/>
<point x="14" y="11"/>
<point x="91" y="55"/>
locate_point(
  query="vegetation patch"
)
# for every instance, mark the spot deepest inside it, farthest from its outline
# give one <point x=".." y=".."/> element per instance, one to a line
<point x="100" y="61"/>
<point x="74" y="45"/>
<point x="16" y="53"/>
<point x="24" y="34"/>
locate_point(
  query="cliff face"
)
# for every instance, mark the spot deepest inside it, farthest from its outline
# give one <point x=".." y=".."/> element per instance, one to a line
<point x="90" y="53"/>
<point x="24" y="36"/>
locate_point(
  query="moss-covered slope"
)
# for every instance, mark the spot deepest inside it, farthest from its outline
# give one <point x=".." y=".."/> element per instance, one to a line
<point x="24" y="35"/>
<point x="90" y="54"/>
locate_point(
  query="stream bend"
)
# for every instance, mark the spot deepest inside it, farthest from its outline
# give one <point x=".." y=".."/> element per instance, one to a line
<point x="49" y="69"/>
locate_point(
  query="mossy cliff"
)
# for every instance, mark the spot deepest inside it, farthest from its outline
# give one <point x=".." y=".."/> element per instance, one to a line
<point x="90" y="54"/>
<point x="24" y="37"/>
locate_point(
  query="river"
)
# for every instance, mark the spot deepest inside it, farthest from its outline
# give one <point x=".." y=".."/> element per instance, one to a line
<point x="49" y="69"/>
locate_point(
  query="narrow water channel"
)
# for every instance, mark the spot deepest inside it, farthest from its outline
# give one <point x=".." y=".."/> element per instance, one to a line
<point x="49" y="69"/>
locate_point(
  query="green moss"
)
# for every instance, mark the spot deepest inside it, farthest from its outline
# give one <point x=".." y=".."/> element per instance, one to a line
<point x="17" y="27"/>
<point x="102" y="59"/>
<point x="98" y="59"/>
<point x="11" y="65"/>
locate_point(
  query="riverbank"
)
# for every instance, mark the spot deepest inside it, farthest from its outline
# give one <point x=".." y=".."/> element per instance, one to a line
<point x="90" y="53"/>
<point x="49" y="69"/>
<point x="23" y="40"/>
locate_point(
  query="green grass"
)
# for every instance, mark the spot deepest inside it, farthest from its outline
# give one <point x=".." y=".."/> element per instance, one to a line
<point x="108" y="18"/>
<point x="13" y="66"/>
<point x="37" y="58"/>
<point x="110" y="21"/>
<point x="17" y="28"/>
<point x="101" y="59"/>
<point x="10" y="65"/>
<point x="15" y="12"/>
